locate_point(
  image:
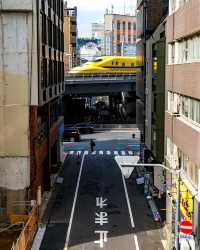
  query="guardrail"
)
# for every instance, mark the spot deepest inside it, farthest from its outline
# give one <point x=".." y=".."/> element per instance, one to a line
<point x="26" y="237"/>
<point x="98" y="76"/>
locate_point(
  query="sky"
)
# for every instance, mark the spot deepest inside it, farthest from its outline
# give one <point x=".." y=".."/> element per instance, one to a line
<point x="92" y="10"/>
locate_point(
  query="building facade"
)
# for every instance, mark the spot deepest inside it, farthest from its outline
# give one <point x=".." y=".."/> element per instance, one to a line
<point x="31" y="85"/>
<point x="147" y="22"/>
<point x="119" y="34"/>
<point x="182" y="115"/>
<point x="155" y="103"/>
<point x="70" y="37"/>
<point x="98" y="33"/>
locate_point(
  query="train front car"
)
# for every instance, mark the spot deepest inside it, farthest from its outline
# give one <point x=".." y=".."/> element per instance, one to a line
<point x="108" y="65"/>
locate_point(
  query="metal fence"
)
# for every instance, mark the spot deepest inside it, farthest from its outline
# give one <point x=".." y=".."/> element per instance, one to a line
<point x="27" y="235"/>
<point x="105" y="76"/>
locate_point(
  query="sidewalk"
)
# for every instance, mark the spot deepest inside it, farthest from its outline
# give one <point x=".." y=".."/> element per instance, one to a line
<point x="59" y="206"/>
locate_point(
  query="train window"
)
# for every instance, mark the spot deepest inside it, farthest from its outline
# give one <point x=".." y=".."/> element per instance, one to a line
<point x="132" y="64"/>
<point x="123" y="64"/>
<point x="116" y="63"/>
<point x="98" y="60"/>
<point x="112" y="63"/>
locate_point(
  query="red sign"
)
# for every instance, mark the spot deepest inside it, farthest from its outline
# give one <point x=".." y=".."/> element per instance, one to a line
<point x="186" y="227"/>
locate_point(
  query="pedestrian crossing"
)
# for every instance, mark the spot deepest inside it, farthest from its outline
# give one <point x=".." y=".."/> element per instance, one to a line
<point x="101" y="152"/>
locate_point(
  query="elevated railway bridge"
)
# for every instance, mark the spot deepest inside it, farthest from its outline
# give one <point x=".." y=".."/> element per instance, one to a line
<point x="99" y="84"/>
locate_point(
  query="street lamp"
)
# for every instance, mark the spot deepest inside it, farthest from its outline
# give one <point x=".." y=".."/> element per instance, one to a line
<point x="132" y="162"/>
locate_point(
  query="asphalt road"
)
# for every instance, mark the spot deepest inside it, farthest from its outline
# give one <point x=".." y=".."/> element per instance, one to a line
<point x="94" y="208"/>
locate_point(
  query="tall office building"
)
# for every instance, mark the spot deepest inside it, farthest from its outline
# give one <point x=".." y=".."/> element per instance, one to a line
<point x="31" y="84"/>
<point x="98" y="33"/>
<point x="182" y="116"/>
<point x="120" y="34"/>
<point x="70" y="38"/>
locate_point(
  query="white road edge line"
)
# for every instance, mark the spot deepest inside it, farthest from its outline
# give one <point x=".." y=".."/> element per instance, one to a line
<point x="136" y="242"/>
<point x="74" y="204"/>
<point x="128" y="202"/>
<point x="127" y="199"/>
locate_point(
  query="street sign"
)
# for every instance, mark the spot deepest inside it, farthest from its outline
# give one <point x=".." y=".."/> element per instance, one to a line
<point x="186" y="227"/>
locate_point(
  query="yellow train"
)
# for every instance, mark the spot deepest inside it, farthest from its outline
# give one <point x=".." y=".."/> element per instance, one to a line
<point x="108" y="65"/>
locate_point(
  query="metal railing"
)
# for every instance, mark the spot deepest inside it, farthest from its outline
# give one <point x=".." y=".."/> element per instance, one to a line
<point x="27" y="235"/>
<point x="97" y="76"/>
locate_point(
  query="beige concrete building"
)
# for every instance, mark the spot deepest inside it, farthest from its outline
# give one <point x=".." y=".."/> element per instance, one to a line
<point x="182" y="116"/>
<point x="70" y="38"/>
<point x="31" y="83"/>
<point x="120" y="34"/>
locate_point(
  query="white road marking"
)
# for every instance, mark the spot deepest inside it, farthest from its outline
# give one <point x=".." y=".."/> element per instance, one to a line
<point x="108" y="152"/>
<point x="74" y="204"/>
<point x="116" y="153"/>
<point x="123" y="152"/>
<point x="94" y="152"/>
<point x="136" y="242"/>
<point x="130" y="152"/>
<point x="86" y="152"/>
<point x="128" y="202"/>
<point x="101" y="152"/>
<point x="38" y="238"/>
<point x="164" y="243"/>
<point x="71" y="152"/>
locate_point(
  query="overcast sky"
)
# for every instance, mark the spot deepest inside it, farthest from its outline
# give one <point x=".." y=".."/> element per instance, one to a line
<point x="92" y="10"/>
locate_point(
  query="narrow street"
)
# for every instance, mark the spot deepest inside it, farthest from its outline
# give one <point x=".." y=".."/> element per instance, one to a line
<point x="93" y="187"/>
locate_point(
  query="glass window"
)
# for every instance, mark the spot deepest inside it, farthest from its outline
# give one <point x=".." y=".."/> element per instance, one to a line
<point x="118" y="25"/>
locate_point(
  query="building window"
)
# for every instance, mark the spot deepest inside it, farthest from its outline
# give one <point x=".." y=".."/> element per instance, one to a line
<point x="124" y="26"/>
<point x="177" y="156"/>
<point x="174" y="5"/>
<point x="129" y="38"/>
<point x="118" y="25"/>
<point x="118" y="37"/>
<point x="171" y="53"/>
<point x="119" y="48"/>
<point x="134" y="26"/>
<point x="44" y="29"/>
<point x="129" y="26"/>
<point x="44" y="73"/>
<point x="186" y="106"/>
<point x="187" y="50"/>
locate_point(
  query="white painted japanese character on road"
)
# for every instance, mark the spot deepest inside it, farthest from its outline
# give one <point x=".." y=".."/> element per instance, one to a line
<point x="103" y="238"/>
<point x="100" y="202"/>
<point x="101" y="218"/>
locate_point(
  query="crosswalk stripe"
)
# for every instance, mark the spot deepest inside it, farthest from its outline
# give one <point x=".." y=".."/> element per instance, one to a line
<point x="100" y="152"/>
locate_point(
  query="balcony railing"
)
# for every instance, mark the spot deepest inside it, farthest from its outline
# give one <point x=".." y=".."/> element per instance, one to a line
<point x="27" y="235"/>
